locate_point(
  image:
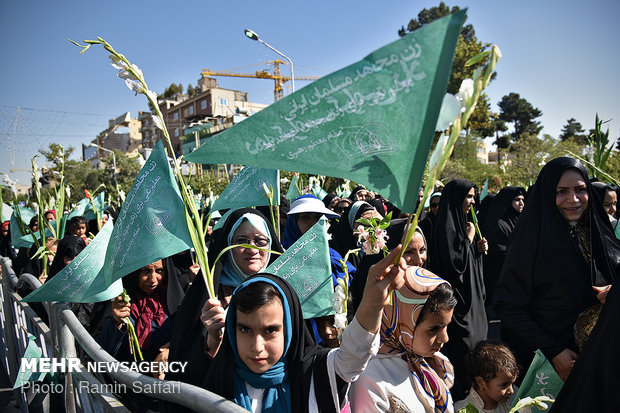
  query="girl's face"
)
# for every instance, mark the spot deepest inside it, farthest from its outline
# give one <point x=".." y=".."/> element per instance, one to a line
<point x="327" y="331"/>
<point x="260" y="336"/>
<point x="250" y="260"/>
<point x="432" y="333"/>
<point x="415" y="254"/>
<point x="150" y="276"/>
<point x="496" y="391"/>
<point x="571" y="196"/>
<point x="80" y="230"/>
<point x="469" y="200"/>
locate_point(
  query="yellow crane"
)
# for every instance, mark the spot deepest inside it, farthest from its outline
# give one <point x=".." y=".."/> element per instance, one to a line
<point x="277" y="76"/>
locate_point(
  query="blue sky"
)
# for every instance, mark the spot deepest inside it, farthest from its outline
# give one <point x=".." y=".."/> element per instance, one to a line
<point x="561" y="56"/>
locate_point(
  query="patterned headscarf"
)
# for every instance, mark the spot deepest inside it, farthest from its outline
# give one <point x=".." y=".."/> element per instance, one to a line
<point x="432" y="376"/>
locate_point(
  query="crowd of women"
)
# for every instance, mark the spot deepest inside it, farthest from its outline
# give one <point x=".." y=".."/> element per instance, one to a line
<point x="543" y="263"/>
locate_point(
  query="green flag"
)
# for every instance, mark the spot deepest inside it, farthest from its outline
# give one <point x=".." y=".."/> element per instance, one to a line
<point x="32" y="352"/>
<point x="293" y="190"/>
<point x="151" y="224"/>
<point x="80" y="208"/>
<point x="19" y="240"/>
<point x="7" y="211"/>
<point x="246" y="189"/>
<point x="540" y="380"/>
<point x="372" y="122"/>
<point x="485" y="190"/>
<point x="306" y="266"/>
<point x="81" y="281"/>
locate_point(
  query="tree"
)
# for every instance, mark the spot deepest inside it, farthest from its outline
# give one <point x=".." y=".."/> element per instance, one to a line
<point x="467" y="47"/>
<point x="518" y="111"/>
<point x="573" y="130"/>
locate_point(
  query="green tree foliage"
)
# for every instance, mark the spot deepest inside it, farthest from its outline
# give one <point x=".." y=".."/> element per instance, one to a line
<point x="522" y="114"/>
<point x="191" y="91"/>
<point x="467" y="47"/>
<point x="573" y="130"/>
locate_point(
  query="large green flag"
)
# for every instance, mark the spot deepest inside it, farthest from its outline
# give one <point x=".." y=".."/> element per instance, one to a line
<point x="81" y="281"/>
<point x="372" y="122"/>
<point x="151" y="224"/>
<point x="246" y="189"/>
<point x="305" y="265"/>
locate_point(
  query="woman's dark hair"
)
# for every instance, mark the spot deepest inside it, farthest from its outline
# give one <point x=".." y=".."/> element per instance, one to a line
<point x="487" y="359"/>
<point x="441" y="299"/>
<point x="255" y="296"/>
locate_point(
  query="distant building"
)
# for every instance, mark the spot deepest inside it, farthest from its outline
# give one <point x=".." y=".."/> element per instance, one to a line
<point x="123" y="133"/>
<point x="210" y="111"/>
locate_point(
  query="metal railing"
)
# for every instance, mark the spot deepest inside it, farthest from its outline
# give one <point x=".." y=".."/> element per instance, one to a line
<point x="18" y="319"/>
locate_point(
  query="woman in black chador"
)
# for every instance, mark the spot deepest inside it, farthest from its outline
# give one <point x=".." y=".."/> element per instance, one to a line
<point x="562" y="246"/>
<point x="456" y="255"/>
<point x="501" y="220"/>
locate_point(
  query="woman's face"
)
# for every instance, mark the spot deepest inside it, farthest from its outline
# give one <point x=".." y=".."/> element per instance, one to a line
<point x="571" y="196"/>
<point x="306" y="220"/>
<point x="342" y="205"/>
<point x="518" y="203"/>
<point x="610" y="202"/>
<point x="432" y="333"/>
<point x="250" y="260"/>
<point x="363" y="195"/>
<point x="260" y="336"/>
<point x="469" y="200"/>
<point x="150" y="276"/>
<point x="415" y="254"/>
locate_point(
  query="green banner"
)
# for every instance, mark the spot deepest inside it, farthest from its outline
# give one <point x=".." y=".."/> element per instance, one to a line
<point x="372" y="122"/>
<point x="32" y="352"/>
<point x="151" y="224"/>
<point x="246" y="189"/>
<point x="81" y="281"/>
<point x="293" y="190"/>
<point x="306" y="266"/>
<point x="540" y="380"/>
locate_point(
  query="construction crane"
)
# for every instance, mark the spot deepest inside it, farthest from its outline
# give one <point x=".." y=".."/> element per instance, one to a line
<point x="277" y="76"/>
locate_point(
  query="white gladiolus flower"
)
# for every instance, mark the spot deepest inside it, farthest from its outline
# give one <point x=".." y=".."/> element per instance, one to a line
<point x="116" y="63"/>
<point x="157" y="122"/>
<point x="134" y="86"/>
<point x="68" y="191"/>
<point x="439" y="148"/>
<point x="152" y="95"/>
<point x="466" y="91"/>
<point x="340" y="321"/>
<point x="266" y="189"/>
<point x="450" y="109"/>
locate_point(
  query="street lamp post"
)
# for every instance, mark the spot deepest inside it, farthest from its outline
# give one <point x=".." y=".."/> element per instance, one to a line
<point x="94" y="145"/>
<point x="251" y="34"/>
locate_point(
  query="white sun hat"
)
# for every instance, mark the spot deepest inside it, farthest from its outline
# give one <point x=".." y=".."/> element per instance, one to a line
<point x="310" y="203"/>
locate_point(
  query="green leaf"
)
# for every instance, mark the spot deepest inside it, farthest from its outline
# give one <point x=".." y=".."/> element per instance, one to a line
<point x="478" y="58"/>
<point x="364" y="221"/>
<point x="39" y="252"/>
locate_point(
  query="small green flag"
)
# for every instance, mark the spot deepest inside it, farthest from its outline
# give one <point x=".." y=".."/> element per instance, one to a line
<point x="152" y="222"/>
<point x="80" y="208"/>
<point x="32" y="352"/>
<point x="293" y="190"/>
<point x="81" y="281"/>
<point x="317" y="191"/>
<point x="306" y="266"/>
<point x="85" y="208"/>
<point x="18" y="240"/>
<point x="246" y="189"/>
<point x="485" y="190"/>
<point x="7" y="211"/>
<point x="540" y="380"/>
<point x="372" y="122"/>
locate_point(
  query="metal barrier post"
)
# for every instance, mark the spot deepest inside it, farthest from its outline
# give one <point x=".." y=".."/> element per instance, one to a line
<point x="67" y="349"/>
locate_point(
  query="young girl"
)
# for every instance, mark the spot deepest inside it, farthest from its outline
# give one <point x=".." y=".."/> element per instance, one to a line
<point x="268" y="360"/>
<point x="410" y="374"/>
<point x="493" y="370"/>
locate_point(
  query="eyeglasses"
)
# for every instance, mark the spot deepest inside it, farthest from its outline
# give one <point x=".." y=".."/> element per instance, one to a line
<point x="259" y="242"/>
